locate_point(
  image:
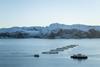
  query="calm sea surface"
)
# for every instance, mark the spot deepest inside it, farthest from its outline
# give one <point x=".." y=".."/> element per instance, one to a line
<point x="19" y="53"/>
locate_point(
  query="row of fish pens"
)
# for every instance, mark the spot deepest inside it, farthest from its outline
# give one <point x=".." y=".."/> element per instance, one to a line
<point x="57" y="50"/>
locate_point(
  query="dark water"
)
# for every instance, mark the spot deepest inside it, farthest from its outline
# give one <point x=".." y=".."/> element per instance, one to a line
<point x="19" y="53"/>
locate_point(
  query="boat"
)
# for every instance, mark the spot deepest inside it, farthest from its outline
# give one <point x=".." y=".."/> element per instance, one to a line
<point x="79" y="56"/>
<point x="37" y="55"/>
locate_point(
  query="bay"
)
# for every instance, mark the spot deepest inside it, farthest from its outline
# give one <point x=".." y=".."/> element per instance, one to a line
<point x="19" y="53"/>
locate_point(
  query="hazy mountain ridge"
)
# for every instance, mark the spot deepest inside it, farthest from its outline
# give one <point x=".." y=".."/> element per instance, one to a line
<point x="54" y="30"/>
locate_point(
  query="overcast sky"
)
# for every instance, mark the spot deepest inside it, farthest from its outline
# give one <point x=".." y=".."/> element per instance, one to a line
<point x="45" y="12"/>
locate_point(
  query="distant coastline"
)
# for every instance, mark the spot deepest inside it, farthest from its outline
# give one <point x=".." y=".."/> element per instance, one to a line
<point x="53" y="31"/>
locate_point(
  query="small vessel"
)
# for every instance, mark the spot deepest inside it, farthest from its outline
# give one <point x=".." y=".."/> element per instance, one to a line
<point x="79" y="56"/>
<point x="37" y="55"/>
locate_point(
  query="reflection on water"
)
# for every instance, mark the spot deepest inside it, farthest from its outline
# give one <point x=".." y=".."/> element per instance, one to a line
<point x="20" y="53"/>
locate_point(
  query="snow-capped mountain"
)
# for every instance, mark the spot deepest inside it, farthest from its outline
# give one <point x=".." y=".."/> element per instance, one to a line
<point x="74" y="26"/>
<point x="54" y="30"/>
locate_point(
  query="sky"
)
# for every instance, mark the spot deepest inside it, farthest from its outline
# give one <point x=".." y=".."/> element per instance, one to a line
<point x="45" y="12"/>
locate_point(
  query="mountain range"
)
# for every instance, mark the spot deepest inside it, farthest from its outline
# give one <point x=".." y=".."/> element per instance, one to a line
<point x="53" y="31"/>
